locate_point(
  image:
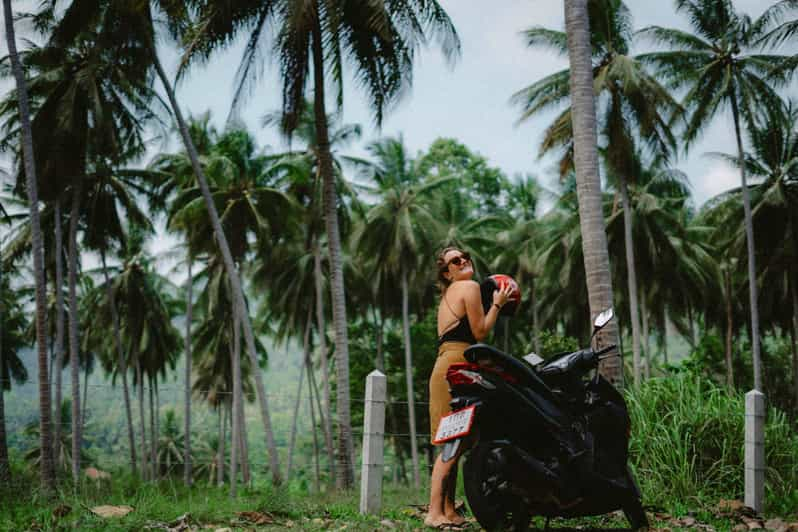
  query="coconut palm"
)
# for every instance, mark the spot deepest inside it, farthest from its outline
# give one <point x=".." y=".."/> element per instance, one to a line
<point x="47" y="469"/>
<point x="312" y="42"/>
<point x="631" y="104"/>
<point x="583" y="124"/>
<point x="718" y="66"/>
<point x="394" y="233"/>
<point x="13" y="323"/>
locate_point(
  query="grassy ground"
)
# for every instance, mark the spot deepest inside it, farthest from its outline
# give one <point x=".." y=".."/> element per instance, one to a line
<point x="161" y="506"/>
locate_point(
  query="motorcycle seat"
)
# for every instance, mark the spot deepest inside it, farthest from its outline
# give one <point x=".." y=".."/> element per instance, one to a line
<point x="514" y="366"/>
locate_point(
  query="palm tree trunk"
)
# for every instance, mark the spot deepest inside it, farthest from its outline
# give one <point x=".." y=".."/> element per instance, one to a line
<point x="232" y="272"/>
<point x="121" y="362"/>
<point x="85" y="398"/>
<point x="47" y="471"/>
<point x="74" y="341"/>
<point x="187" y="392"/>
<point x="220" y="450"/>
<point x="143" y="420"/>
<point x="292" y="438"/>
<point x="314" y="389"/>
<point x="535" y="327"/>
<point x="153" y="433"/>
<point x="243" y="444"/>
<point x="411" y="403"/>
<point x="749" y="237"/>
<point x="729" y="328"/>
<point x="235" y="360"/>
<point x="588" y="185"/>
<point x="5" y="469"/>
<point x="157" y="433"/>
<point x="634" y="312"/>
<point x="321" y="326"/>
<point x="645" y="334"/>
<point x="346" y="471"/>
<point x="59" y="329"/>
<point x="794" y="336"/>
<point x="316" y="472"/>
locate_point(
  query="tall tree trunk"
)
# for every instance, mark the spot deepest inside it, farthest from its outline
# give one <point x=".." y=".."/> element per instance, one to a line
<point x="235" y="360"/>
<point x="47" y="471"/>
<point x="729" y="328"/>
<point x="749" y="238"/>
<point x="311" y="391"/>
<point x="232" y="272"/>
<point x="321" y="326"/>
<point x="346" y="470"/>
<point x="157" y="432"/>
<point x="153" y="432"/>
<point x="243" y="445"/>
<point x="5" y="469"/>
<point x="85" y="398"/>
<point x="74" y="341"/>
<point x="794" y="337"/>
<point x="535" y="327"/>
<point x="645" y="334"/>
<point x="588" y="185"/>
<point x="314" y="389"/>
<point x="292" y="438"/>
<point x="187" y="393"/>
<point x="59" y="330"/>
<point x="634" y="312"/>
<point x="220" y="450"/>
<point x="411" y="403"/>
<point x="142" y="418"/>
<point x="120" y="361"/>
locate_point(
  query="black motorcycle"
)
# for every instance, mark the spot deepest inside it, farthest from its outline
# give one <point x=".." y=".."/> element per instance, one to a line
<point x="541" y="439"/>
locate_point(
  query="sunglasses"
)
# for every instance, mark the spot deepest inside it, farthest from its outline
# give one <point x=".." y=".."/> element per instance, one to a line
<point x="458" y="261"/>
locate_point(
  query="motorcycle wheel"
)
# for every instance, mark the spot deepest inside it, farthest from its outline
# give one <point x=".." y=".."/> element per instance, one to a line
<point x="636" y="515"/>
<point x="492" y="507"/>
<point x="633" y="508"/>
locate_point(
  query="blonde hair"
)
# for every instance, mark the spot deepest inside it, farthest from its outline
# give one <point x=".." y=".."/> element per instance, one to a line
<point x="443" y="282"/>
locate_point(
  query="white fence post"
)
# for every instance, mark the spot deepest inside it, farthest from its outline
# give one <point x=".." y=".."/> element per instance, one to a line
<point x="373" y="436"/>
<point x="755" y="450"/>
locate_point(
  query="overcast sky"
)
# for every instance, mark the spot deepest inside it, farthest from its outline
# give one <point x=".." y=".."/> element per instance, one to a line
<point x="470" y="101"/>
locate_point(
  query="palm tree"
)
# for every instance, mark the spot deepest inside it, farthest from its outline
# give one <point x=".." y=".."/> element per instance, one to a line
<point x="773" y="162"/>
<point x="394" y="233"/>
<point x="47" y="470"/>
<point x="719" y="69"/>
<point x="631" y="103"/>
<point x="591" y="219"/>
<point x="251" y="207"/>
<point x="13" y="322"/>
<point x="313" y="39"/>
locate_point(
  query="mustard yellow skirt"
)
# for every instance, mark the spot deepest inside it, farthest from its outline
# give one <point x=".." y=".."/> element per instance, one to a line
<point x="439" y="396"/>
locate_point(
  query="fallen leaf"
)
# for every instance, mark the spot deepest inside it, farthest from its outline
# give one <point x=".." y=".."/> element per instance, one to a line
<point x="387" y="523"/>
<point x="256" y="518"/>
<point x="776" y="524"/>
<point x="107" y="511"/>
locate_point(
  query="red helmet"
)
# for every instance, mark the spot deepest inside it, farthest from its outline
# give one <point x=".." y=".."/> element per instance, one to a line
<point x="495" y="282"/>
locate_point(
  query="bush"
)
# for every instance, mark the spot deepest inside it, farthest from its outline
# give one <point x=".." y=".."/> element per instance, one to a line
<point x="688" y="442"/>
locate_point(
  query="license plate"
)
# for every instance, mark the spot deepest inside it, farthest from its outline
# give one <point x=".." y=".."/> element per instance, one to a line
<point x="455" y="425"/>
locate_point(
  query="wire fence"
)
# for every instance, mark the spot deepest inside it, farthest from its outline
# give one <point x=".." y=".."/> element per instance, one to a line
<point x="106" y="435"/>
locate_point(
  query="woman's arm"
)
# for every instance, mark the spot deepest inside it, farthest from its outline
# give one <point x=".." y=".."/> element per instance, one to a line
<point x="480" y="321"/>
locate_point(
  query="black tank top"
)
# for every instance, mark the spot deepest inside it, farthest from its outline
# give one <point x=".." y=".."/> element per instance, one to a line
<point x="460" y="333"/>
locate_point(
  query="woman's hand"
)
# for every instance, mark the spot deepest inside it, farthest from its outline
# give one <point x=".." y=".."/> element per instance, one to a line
<point x="501" y="295"/>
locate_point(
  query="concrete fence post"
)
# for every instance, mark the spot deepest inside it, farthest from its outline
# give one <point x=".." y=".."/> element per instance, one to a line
<point x="373" y="436"/>
<point x="755" y="450"/>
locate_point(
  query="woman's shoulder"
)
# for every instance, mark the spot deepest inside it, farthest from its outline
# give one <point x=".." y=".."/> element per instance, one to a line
<point x="465" y="286"/>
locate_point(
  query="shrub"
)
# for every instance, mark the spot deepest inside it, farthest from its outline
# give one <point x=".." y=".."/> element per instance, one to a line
<point x="688" y="442"/>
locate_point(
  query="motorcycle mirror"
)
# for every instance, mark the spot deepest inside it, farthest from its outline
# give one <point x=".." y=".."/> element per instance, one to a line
<point x="533" y="359"/>
<point x="603" y="318"/>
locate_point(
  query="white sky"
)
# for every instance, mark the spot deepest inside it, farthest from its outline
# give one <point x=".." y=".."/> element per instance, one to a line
<point x="469" y="102"/>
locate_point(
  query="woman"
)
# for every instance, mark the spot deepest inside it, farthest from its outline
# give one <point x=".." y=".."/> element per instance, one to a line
<point x="461" y="322"/>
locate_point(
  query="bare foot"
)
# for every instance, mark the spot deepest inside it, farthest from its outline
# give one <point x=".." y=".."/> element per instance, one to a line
<point x="435" y="521"/>
<point x="455" y="518"/>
